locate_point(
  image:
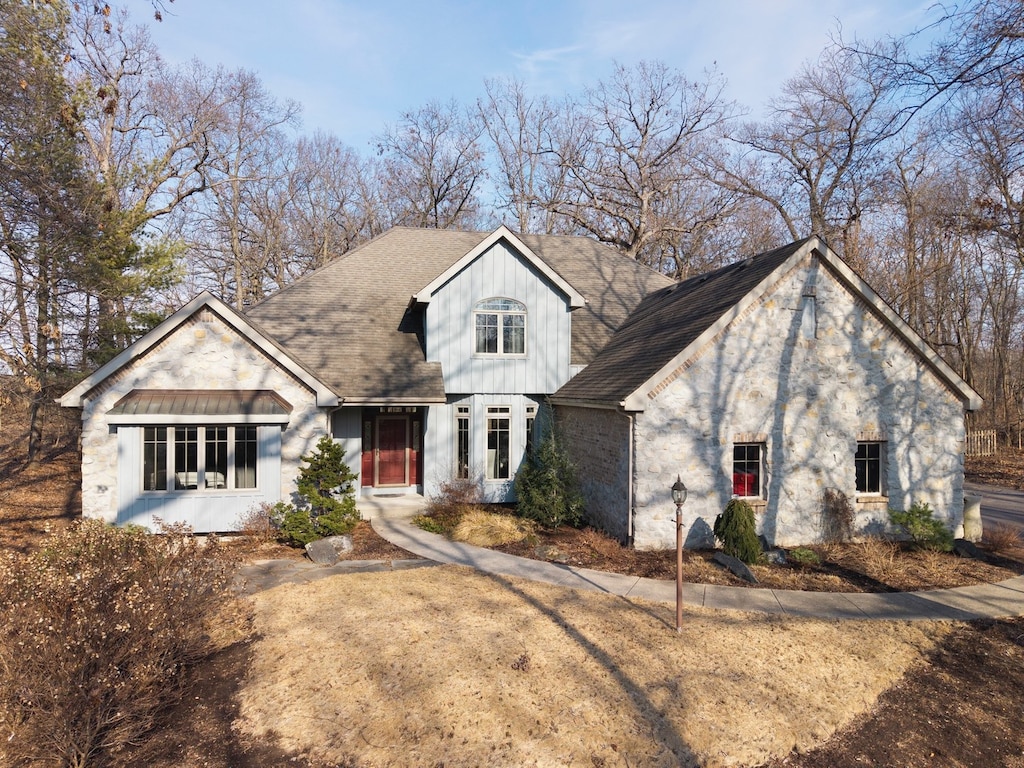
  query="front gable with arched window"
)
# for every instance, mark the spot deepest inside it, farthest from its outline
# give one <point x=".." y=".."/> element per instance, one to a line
<point x="499" y="325"/>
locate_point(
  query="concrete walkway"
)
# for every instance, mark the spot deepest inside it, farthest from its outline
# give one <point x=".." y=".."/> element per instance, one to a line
<point x="391" y="518"/>
<point x="393" y="522"/>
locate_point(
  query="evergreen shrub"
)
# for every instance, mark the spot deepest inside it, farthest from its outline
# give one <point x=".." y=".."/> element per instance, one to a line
<point x="803" y="556"/>
<point x="547" y="490"/>
<point x="735" y="528"/>
<point x="327" y="500"/>
<point x="924" y="530"/>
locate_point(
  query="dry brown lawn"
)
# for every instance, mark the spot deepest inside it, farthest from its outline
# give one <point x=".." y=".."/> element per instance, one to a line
<point x="446" y="666"/>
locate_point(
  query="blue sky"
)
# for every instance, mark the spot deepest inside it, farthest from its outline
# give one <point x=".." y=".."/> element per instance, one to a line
<point x="355" y="66"/>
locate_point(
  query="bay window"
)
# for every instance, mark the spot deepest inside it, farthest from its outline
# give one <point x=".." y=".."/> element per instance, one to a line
<point x="193" y="458"/>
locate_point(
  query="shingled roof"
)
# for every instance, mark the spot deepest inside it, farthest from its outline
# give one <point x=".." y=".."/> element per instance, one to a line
<point x="350" y="320"/>
<point x="666" y="323"/>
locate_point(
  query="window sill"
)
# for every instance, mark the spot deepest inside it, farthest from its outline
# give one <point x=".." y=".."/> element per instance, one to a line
<point x="756" y="502"/>
<point x="205" y="492"/>
<point x="872" y="501"/>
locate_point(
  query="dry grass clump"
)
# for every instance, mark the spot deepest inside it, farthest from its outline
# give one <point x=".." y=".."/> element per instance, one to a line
<point x="1002" y="538"/>
<point x="881" y="559"/>
<point x="519" y="673"/>
<point x="454" y="498"/>
<point x="257" y="525"/>
<point x="897" y="566"/>
<point x="486" y="529"/>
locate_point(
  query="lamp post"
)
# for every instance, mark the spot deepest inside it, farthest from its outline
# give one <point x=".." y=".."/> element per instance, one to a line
<point x="678" y="498"/>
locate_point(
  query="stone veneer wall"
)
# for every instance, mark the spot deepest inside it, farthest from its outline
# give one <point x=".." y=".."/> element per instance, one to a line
<point x="809" y="371"/>
<point x="205" y="352"/>
<point x="597" y="441"/>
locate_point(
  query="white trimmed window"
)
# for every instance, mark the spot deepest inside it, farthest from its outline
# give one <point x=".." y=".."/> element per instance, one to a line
<point x="500" y="326"/>
<point x="748" y="470"/>
<point x="462" y="441"/>
<point x="499" y="427"/>
<point x="194" y="458"/>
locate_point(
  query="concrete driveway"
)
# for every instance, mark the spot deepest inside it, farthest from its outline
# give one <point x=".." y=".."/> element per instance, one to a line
<point x="998" y="505"/>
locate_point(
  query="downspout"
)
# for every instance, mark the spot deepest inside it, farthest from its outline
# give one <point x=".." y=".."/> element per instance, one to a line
<point x="630" y="511"/>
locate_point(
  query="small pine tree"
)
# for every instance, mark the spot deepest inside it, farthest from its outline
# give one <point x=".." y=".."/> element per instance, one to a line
<point x="546" y="487"/>
<point x="327" y="501"/>
<point x="735" y="528"/>
<point x="923" y="528"/>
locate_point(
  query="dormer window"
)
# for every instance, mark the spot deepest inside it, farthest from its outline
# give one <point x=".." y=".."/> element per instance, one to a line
<point x="500" y="327"/>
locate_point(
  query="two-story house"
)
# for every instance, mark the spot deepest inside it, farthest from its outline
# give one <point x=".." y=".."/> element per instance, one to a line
<point x="427" y="354"/>
<point x="431" y="355"/>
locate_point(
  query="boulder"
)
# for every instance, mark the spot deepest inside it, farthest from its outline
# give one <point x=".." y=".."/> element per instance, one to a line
<point x="965" y="548"/>
<point x="736" y="566"/>
<point x="551" y="554"/>
<point x="328" y="551"/>
<point x="775" y="556"/>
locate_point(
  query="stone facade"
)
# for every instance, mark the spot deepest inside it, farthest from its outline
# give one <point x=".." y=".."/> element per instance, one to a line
<point x="807" y="372"/>
<point x="205" y="352"/>
<point x="598" y="442"/>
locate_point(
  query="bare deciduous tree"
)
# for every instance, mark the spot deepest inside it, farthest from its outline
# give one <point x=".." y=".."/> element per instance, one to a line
<point x="146" y="130"/>
<point x="433" y="163"/>
<point x="524" y="132"/>
<point x="633" y="154"/>
<point x="818" y="159"/>
<point x="246" y="160"/>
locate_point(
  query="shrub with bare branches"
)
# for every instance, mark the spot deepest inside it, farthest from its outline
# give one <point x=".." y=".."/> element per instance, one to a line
<point x="837" y="514"/>
<point x="453" y="499"/>
<point x="257" y="524"/>
<point x="1001" y="537"/>
<point x="96" y="630"/>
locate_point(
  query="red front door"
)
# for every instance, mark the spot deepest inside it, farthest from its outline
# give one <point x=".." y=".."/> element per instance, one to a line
<point x="392" y="450"/>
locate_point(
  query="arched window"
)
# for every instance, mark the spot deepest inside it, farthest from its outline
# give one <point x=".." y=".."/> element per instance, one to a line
<point x="500" y="327"/>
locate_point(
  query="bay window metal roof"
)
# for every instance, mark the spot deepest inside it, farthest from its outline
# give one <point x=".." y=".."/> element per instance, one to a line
<point x="207" y="405"/>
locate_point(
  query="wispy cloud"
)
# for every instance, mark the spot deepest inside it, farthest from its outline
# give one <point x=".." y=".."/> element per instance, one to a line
<point x="357" y="65"/>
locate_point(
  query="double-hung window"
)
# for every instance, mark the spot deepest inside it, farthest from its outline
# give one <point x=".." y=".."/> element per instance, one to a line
<point x="193" y="458"/>
<point x="748" y="470"/>
<point x="500" y="327"/>
<point x="869" y="460"/>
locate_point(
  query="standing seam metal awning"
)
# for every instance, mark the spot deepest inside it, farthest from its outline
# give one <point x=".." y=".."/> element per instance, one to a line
<point x="150" y="406"/>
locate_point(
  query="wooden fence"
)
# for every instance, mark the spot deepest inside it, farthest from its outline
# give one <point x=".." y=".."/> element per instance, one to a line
<point x="981" y="442"/>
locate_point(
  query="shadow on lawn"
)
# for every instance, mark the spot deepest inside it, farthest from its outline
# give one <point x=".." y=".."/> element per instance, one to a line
<point x="663" y="730"/>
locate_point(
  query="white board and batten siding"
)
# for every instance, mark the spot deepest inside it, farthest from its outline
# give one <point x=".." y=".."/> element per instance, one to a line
<point x="203" y="511"/>
<point x="440" y="441"/>
<point x="499" y="272"/>
<point x="346" y="429"/>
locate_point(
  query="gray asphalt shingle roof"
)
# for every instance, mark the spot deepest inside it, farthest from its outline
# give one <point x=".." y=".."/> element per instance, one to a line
<point x="667" y="322"/>
<point x="350" y="320"/>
